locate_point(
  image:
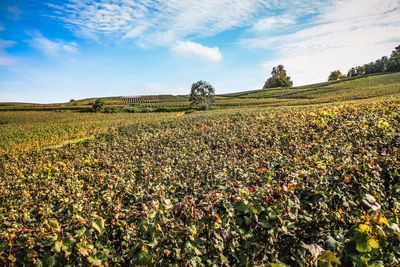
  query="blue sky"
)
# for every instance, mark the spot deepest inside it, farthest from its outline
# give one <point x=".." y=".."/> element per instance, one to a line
<point x="56" y="50"/>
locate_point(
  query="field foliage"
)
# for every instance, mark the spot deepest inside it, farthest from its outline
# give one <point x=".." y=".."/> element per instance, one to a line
<point x="23" y="130"/>
<point x="303" y="186"/>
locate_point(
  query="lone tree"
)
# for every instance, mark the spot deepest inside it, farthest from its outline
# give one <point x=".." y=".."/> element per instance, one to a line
<point x="335" y="75"/>
<point x="202" y="93"/>
<point x="278" y="78"/>
<point x="98" y="105"/>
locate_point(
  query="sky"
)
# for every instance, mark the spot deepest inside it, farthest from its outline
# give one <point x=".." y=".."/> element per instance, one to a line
<point x="56" y="50"/>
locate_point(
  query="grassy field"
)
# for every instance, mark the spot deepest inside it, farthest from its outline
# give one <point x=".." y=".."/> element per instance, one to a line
<point x="307" y="176"/>
<point x="328" y="92"/>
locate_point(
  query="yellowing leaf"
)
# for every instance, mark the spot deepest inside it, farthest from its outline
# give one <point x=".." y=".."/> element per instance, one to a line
<point x="57" y="246"/>
<point x="94" y="261"/>
<point x="12" y="258"/>
<point x="364" y="228"/>
<point x="84" y="252"/>
<point x="329" y="256"/>
<point x="382" y="220"/>
<point x="362" y="245"/>
<point x="373" y="242"/>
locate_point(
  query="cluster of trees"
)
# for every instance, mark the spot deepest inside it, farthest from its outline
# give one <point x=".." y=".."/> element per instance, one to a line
<point x="278" y="78"/>
<point x="384" y="64"/>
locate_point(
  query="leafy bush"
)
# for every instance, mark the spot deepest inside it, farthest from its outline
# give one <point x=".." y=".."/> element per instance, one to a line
<point x="111" y="110"/>
<point x="98" y="105"/>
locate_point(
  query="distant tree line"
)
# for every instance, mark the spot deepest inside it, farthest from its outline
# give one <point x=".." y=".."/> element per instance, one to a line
<point x="384" y="64"/>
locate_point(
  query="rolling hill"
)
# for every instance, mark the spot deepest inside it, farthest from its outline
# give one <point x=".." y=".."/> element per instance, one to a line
<point x="351" y="89"/>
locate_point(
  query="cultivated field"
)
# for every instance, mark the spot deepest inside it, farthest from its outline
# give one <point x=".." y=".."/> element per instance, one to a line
<point x="299" y="184"/>
<point x="328" y="92"/>
<point x="23" y="130"/>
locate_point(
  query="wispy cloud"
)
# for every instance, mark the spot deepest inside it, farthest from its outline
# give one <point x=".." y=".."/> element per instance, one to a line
<point x="5" y="59"/>
<point x="269" y="23"/>
<point x="50" y="47"/>
<point x="1" y="27"/>
<point x="175" y="24"/>
<point x="342" y="35"/>
<point x="154" y="21"/>
<point x="163" y="22"/>
<point x="6" y="43"/>
<point x="14" y="12"/>
<point x="192" y="48"/>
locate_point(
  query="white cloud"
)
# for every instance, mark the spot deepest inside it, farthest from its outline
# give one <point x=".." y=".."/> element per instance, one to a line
<point x="354" y="10"/>
<point x="192" y="48"/>
<point x="52" y="48"/>
<point x="135" y="32"/>
<point x="345" y="34"/>
<point x="14" y="11"/>
<point x="141" y="20"/>
<point x="330" y="33"/>
<point x="163" y="22"/>
<point x="268" y="23"/>
<point x="168" y="22"/>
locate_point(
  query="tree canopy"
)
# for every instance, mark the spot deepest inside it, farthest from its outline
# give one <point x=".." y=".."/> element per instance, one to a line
<point x="202" y="93"/>
<point x="335" y="75"/>
<point x="98" y="105"/>
<point x="278" y="78"/>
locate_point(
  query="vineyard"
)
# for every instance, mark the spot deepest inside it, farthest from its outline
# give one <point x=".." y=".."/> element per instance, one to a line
<point x="307" y="176"/>
<point x="301" y="186"/>
<point x="37" y="129"/>
<point x="354" y="88"/>
<point x="151" y="99"/>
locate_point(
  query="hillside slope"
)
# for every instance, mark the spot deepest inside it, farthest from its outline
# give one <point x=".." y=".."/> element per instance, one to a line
<point x="327" y="92"/>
